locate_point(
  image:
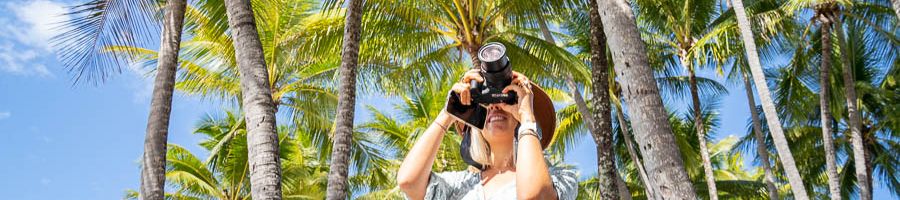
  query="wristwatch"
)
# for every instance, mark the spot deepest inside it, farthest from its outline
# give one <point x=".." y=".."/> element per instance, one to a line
<point x="529" y="128"/>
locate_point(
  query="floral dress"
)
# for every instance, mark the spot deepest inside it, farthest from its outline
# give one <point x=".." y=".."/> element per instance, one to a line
<point x="466" y="185"/>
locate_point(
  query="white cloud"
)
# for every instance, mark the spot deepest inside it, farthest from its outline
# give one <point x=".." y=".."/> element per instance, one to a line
<point x="5" y="115"/>
<point x="28" y="27"/>
<point x="43" y="18"/>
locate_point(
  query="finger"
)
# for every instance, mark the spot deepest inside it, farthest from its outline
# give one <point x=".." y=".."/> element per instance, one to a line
<point x="514" y="88"/>
<point x="458" y="88"/>
<point x="472" y="75"/>
<point x="465" y="97"/>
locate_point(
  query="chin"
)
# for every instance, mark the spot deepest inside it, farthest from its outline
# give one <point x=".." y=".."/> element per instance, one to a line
<point x="501" y="130"/>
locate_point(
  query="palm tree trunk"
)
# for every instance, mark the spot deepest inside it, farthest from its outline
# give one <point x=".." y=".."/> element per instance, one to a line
<point x="601" y="129"/>
<point x="649" y="118"/>
<point x="761" y="149"/>
<point x="896" y="4"/>
<point x="765" y="98"/>
<point x="869" y="165"/>
<point x="622" y="188"/>
<point x="649" y="186"/>
<point x="701" y="135"/>
<point x="340" y="155"/>
<point x="153" y="169"/>
<point x="834" y="186"/>
<point x="854" y="123"/>
<point x="262" y="140"/>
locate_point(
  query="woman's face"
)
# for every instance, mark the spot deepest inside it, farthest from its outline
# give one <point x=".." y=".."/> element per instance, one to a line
<point x="500" y="125"/>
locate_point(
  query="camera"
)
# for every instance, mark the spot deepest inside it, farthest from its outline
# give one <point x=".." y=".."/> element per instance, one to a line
<point x="497" y="74"/>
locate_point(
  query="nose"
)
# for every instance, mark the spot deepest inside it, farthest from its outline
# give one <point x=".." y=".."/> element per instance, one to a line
<point x="493" y="107"/>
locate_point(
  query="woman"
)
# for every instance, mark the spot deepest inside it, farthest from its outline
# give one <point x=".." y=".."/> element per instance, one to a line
<point x="512" y="165"/>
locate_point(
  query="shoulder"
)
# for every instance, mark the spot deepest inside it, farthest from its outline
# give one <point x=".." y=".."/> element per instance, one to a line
<point x="449" y="185"/>
<point x="456" y="178"/>
<point x="565" y="182"/>
<point x="563" y="172"/>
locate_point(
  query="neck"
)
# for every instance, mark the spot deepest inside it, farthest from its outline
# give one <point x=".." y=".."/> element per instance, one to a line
<point x="502" y="156"/>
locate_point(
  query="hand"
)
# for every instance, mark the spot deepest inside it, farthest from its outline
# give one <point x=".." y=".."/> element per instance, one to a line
<point x="463" y="86"/>
<point x="523" y="110"/>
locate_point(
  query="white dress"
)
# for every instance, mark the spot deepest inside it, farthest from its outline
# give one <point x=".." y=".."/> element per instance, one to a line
<point x="465" y="185"/>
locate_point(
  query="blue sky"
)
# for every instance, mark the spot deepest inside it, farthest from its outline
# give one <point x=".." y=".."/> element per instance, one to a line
<point x="64" y="141"/>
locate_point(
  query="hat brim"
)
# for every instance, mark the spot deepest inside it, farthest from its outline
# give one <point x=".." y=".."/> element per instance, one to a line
<point x="545" y="115"/>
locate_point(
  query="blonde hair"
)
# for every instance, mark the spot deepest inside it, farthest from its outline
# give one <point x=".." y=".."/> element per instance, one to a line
<point x="480" y="150"/>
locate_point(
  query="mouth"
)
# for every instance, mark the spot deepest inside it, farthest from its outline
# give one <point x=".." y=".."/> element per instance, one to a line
<point x="497" y="116"/>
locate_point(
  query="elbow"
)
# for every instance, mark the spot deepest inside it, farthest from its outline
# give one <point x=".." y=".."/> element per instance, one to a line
<point x="541" y="193"/>
<point x="405" y="182"/>
<point x="529" y="195"/>
<point x="409" y="186"/>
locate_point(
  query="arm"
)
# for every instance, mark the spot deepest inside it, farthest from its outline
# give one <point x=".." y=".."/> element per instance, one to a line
<point x="416" y="167"/>
<point x="414" y="172"/>
<point x="532" y="175"/>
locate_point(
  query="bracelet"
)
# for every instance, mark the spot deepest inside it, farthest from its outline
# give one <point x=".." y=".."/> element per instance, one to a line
<point x="529" y="128"/>
<point x="528" y="132"/>
<point x="441" y="125"/>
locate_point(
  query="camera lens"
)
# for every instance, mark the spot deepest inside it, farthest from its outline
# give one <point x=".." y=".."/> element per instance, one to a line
<point x="491" y="52"/>
<point x="496" y="70"/>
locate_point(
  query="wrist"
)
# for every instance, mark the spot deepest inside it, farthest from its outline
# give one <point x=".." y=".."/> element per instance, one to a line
<point x="529" y="128"/>
<point x="526" y="116"/>
<point x="444" y="119"/>
<point x="526" y="110"/>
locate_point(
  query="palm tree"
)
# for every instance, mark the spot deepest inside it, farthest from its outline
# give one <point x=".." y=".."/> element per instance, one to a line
<point x="758" y="133"/>
<point x="825" y="106"/>
<point x="731" y="175"/>
<point x="450" y="31"/>
<point x="650" y="186"/>
<point x="100" y="23"/>
<point x="578" y="27"/>
<point x="103" y="22"/>
<point x="787" y="159"/>
<point x="853" y="118"/>
<point x="598" y="122"/>
<point x="601" y="120"/>
<point x="340" y="155"/>
<point x="664" y="162"/>
<point x="686" y="30"/>
<point x="400" y="130"/>
<point x="265" y="178"/>
<point x="301" y="86"/>
<point x="226" y="176"/>
<point x="829" y="15"/>
<point x="153" y="163"/>
<point x="733" y="180"/>
<point x="794" y="82"/>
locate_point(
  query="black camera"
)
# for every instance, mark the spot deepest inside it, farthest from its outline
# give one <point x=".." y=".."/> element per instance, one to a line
<point x="497" y="74"/>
